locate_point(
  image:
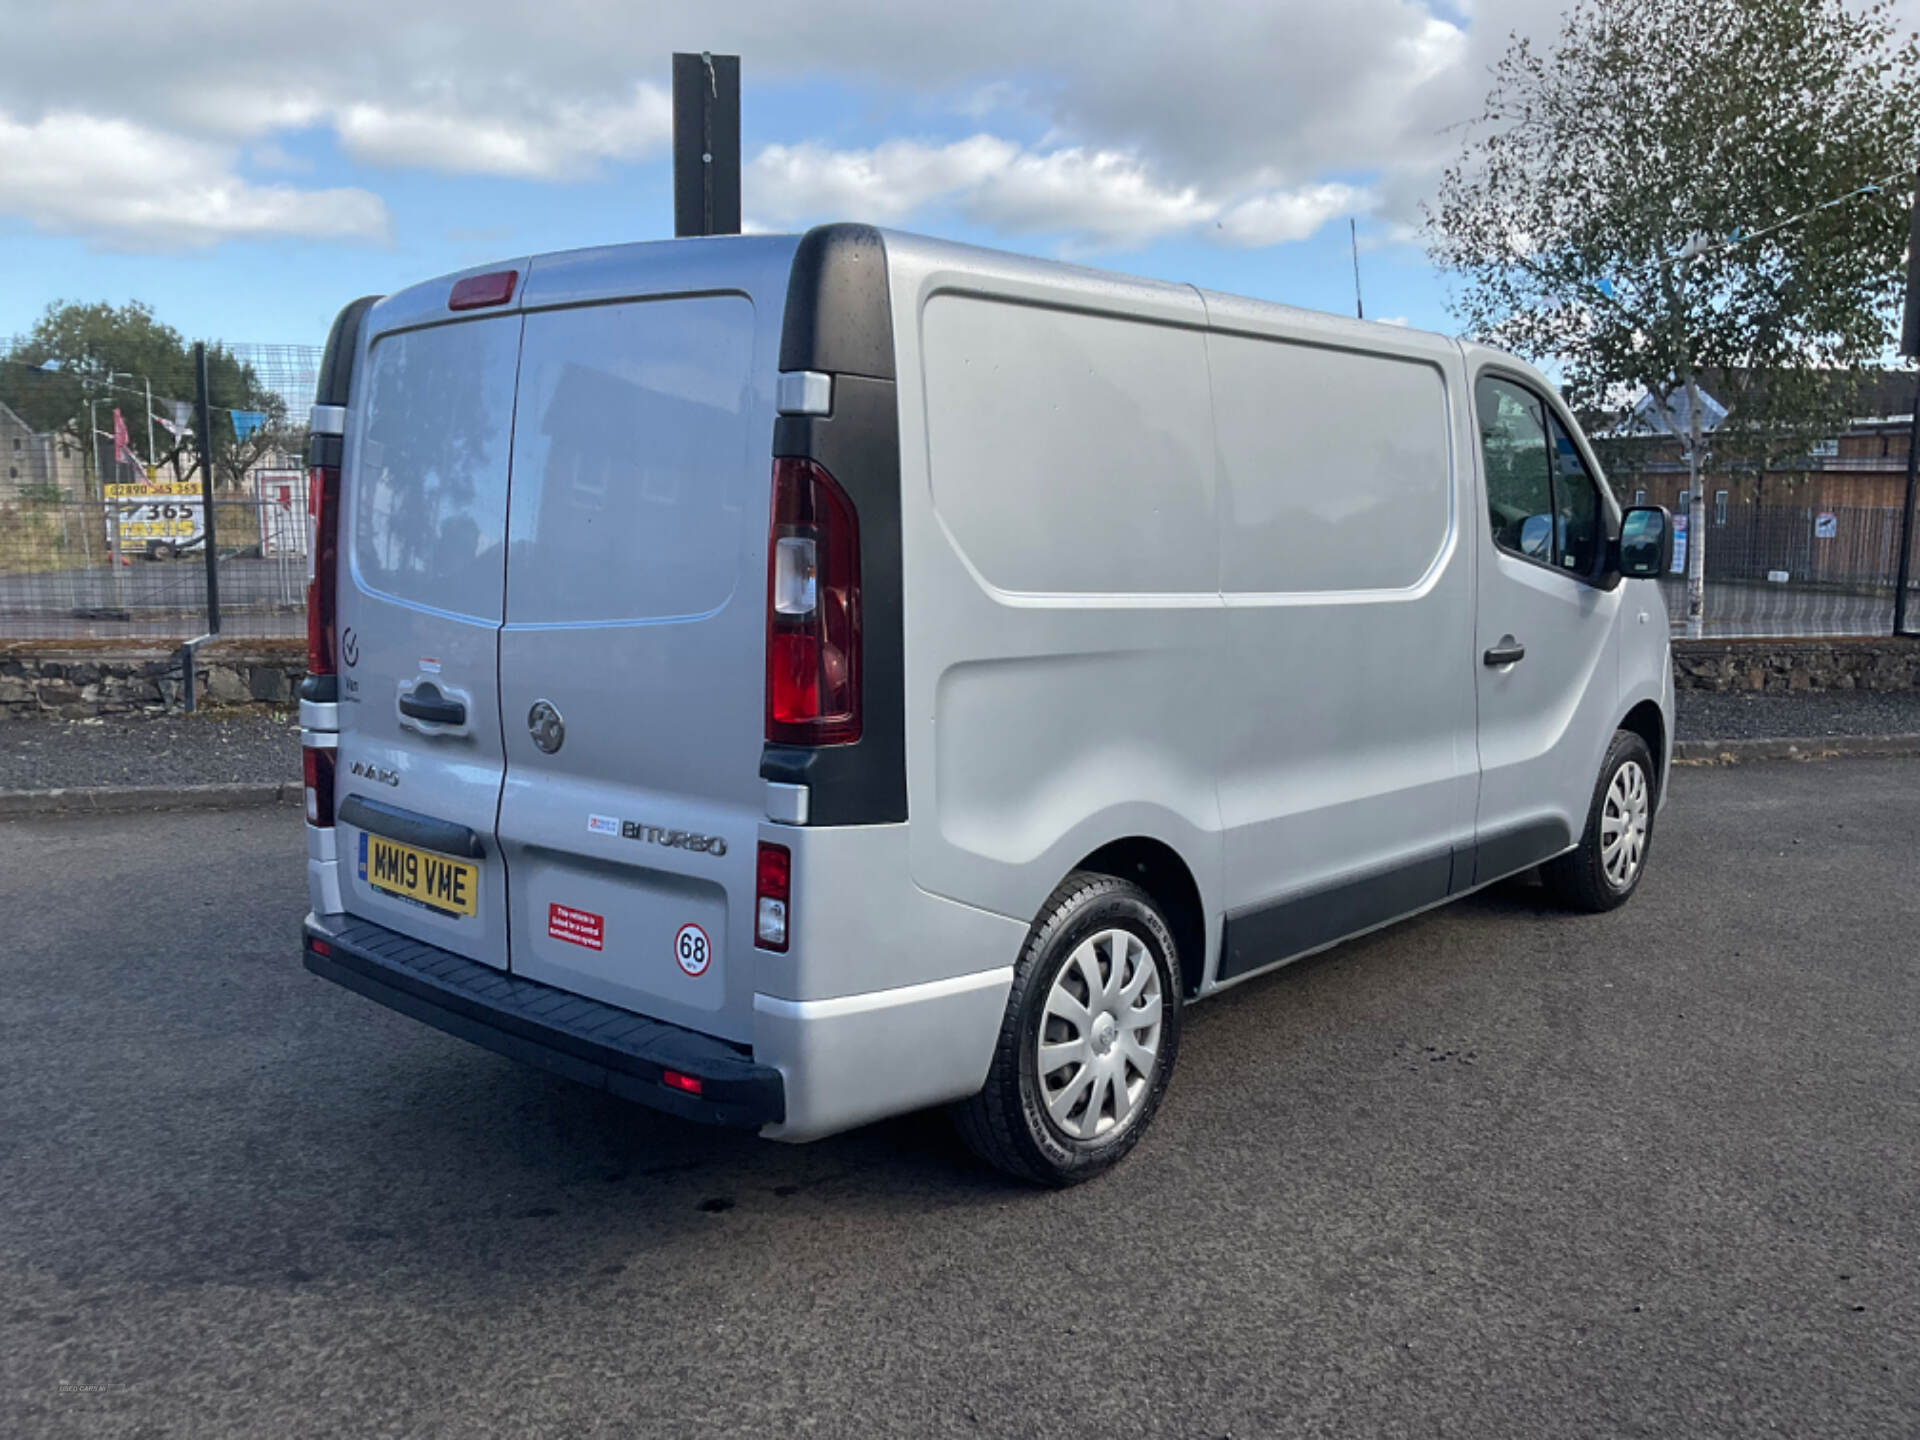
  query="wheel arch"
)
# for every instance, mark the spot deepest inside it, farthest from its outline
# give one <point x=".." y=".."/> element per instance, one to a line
<point x="1646" y="721"/>
<point x="1159" y="869"/>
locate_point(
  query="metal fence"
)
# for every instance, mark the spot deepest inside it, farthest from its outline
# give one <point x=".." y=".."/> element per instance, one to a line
<point x="1798" y="570"/>
<point x="136" y="567"/>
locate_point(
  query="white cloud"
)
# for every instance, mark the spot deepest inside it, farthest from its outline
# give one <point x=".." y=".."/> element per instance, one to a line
<point x="795" y="183"/>
<point x="1106" y="196"/>
<point x="550" y="142"/>
<point x="1153" y="115"/>
<point x="127" y="186"/>
<point x="1102" y="198"/>
<point x="1278" y="216"/>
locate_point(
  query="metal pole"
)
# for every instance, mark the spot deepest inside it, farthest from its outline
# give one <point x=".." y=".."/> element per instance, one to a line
<point x="206" y="486"/>
<point x="150" y="459"/>
<point x="1906" y="520"/>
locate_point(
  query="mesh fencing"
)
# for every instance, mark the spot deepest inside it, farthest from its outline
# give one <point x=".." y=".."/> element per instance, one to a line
<point x="136" y="568"/>
<point x="1779" y="571"/>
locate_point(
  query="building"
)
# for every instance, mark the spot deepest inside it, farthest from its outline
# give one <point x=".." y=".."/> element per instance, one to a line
<point x="1830" y="517"/>
<point x="33" y="464"/>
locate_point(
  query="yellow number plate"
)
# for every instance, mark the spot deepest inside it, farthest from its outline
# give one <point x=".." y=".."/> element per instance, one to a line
<point x="436" y="881"/>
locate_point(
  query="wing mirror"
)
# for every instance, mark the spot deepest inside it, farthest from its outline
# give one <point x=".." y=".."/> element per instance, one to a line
<point x="1646" y="542"/>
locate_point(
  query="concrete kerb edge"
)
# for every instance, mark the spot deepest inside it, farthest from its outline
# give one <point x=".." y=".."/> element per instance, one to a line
<point x="1832" y="747"/>
<point x="132" y="799"/>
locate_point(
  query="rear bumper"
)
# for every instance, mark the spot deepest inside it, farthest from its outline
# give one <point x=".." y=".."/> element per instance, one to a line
<point x="594" y="1043"/>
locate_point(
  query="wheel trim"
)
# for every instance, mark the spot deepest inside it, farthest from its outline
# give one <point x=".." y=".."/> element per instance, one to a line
<point x="1099" y="1040"/>
<point x="1624" y="820"/>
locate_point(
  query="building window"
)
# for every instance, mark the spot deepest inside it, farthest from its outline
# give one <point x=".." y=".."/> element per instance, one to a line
<point x="1686" y="499"/>
<point x="1639" y="497"/>
<point x="13" y="472"/>
<point x="1719" y="507"/>
<point x="1825" y="449"/>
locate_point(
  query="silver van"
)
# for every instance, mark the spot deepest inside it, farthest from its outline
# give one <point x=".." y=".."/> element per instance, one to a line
<point x="789" y="681"/>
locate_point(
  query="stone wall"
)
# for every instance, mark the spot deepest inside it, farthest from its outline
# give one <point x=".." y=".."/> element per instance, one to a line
<point x="72" y="682"/>
<point x="1782" y="665"/>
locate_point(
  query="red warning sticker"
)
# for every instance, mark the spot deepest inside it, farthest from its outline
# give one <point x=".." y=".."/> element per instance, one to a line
<point x="576" y="927"/>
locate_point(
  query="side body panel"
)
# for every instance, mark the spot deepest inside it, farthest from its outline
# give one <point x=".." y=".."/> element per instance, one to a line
<point x="1061" y="583"/>
<point x="1348" y="769"/>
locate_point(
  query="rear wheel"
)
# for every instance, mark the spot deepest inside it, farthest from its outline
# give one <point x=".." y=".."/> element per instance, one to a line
<point x="1604" y="869"/>
<point x="1088" y="1043"/>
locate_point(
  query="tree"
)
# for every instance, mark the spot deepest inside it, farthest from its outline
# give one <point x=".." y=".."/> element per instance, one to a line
<point x="1647" y="202"/>
<point x="109" y="354"/>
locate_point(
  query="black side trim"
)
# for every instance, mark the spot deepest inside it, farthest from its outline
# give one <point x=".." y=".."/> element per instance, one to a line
<point x="864" y="783"/>
<point x="839" y="317"/>
<point x="584" y="1040"/>
<point x="1497" y="856"/>
<point x="1279" y="931"/>
<point x="410" y="828"/>
<point x="336" y="375"/>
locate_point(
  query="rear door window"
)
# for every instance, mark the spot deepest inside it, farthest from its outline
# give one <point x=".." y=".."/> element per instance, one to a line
<point x="430" y="485"/>
<point x="630" y="461"/>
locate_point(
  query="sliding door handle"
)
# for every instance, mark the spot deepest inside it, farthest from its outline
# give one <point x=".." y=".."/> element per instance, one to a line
<point x="1508" y="652"/>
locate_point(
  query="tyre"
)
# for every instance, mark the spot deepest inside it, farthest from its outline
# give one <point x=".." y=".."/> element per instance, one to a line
<point x="1089" y="1039"/>
<point x="1604" y="869"/>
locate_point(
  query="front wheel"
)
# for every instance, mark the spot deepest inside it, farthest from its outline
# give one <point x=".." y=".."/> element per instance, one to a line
<point x="1604" y="869"/>
<point x="1088" y="1043"/>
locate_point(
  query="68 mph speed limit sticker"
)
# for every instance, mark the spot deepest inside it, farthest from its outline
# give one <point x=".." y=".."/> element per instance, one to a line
<point x="692" y="950"/>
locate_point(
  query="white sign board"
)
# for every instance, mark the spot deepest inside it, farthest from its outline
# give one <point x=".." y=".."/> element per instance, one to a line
<point x="169" y="512"/>
<point x="282" y="496"/>
<point x="1679" y="566"/>
<point x="1826" y="525"/>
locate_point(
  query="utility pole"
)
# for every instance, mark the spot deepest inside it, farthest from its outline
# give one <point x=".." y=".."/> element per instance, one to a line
<point x="206" y="486"/>
<point x="706" y="144"/>
<point x="1910" y="347"/>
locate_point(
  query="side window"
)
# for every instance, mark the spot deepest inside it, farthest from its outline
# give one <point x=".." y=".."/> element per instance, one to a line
<point x="1580" y="532"/>
<point x="1513" y="446"/>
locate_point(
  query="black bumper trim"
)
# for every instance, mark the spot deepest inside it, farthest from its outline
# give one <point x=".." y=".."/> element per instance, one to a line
<point x="585" y="1040"/>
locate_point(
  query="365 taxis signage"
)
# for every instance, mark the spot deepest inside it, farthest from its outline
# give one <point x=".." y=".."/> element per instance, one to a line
<point x="169" y="510"/>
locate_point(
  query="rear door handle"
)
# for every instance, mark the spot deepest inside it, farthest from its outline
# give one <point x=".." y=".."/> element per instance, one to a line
<point x="1509" y="651"/>
<point x="428" y="704"/>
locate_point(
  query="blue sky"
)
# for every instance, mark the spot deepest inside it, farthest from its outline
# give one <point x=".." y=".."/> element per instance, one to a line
<point x="247" y="203"/>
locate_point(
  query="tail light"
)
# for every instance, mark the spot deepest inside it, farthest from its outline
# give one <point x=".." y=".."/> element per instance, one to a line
<point x="772" y="890"/>
<point x="318" y="766"/>
<point x="323" y="567"/>
<point x="813" y="609"/>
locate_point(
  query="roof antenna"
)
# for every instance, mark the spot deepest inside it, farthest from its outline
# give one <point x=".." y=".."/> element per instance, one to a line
<point x="1353" y="236"/>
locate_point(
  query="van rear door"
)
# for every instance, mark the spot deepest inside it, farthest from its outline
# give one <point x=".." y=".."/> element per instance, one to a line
<point x="632" y="658"/>
<point x="423" y="543"/>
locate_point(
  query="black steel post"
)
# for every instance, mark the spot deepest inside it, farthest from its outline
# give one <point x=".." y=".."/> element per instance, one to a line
<point x="706" y="144"/>
<point x="1906" y="521"/>
<point x="206" y="486"/>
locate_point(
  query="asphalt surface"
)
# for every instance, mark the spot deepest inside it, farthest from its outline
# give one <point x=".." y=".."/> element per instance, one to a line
<point x="1497" y="1171"/>
<point x="209" y="747"/>
<point x="261" y="746"/>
